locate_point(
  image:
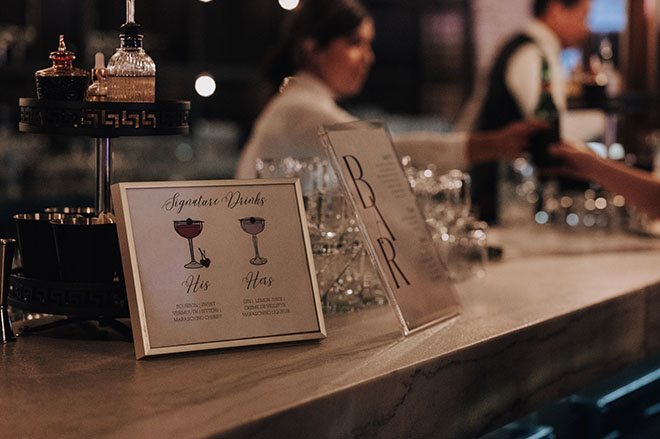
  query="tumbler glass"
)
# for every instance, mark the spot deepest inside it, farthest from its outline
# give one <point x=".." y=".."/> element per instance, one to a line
<point x="37" y="244"/>
<point x="87" y="250"/>
<point x="336" y="242"/>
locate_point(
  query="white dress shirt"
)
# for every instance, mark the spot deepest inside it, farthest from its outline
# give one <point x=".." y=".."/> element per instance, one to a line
<point x="523" y="72"/>
<point x="290" y="122"/>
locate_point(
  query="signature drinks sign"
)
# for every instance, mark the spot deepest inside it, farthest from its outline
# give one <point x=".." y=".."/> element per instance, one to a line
<point x="412" y="272"/>
<point x="213" y="264"/>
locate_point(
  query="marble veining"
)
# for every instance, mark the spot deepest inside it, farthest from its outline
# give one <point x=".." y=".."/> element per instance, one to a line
<point x="543" y="323"/>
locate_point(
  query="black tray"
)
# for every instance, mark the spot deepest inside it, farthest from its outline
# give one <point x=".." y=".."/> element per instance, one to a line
<point x="103" y="119"/>
<point x="88" y="300"/>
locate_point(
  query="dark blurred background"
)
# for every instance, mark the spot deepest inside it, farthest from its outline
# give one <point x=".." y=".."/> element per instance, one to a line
<point x="429" y="53"/>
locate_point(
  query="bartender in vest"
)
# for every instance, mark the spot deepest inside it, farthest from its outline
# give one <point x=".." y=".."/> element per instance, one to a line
<point x="515" y="81"/>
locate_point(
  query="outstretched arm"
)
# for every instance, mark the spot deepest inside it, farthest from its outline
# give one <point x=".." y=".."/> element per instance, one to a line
<point x="462" y="149"/>
<point x="640" y="189"/>
<point x="506" y="143"/>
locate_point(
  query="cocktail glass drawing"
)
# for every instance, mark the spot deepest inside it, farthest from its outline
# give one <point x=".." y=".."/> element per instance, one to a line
<point x="189" y="229"/>
<point x="254" y="226"/>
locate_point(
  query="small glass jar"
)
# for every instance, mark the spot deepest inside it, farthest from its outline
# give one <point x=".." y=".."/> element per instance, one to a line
<point x="131" y="73"/>
<point x="62" y="81"/>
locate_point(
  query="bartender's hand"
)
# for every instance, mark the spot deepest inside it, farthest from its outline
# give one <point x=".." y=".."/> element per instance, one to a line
<point x="507" y="143"/>
<point x="577" y="161"/>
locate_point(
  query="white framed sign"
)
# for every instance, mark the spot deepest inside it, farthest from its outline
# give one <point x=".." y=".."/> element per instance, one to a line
<point x="400" y="245"/>
<point x="214" y="264"/>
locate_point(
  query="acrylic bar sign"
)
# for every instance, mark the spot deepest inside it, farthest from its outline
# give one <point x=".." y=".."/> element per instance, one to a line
<point x="412" y="272"/>
<point x="212" y="264"/>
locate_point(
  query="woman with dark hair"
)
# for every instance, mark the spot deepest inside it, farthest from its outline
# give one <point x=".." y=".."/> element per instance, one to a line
<point x="312" y="28"/>
<point x="326" y="44"/>
<point x="324" y="55"/>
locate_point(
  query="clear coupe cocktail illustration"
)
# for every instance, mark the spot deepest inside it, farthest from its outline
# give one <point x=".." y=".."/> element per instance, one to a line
<point x="189" y="229"/>
<point x="254" y="226"/>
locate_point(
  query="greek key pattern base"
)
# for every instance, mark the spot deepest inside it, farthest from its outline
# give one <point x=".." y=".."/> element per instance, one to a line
<point x="107" y="300"/>
<point x="112" y="119"/>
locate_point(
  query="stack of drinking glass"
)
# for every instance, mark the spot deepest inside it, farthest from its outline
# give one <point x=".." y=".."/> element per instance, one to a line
<point x="445" y="201"/>
<point x="570" y="209"/>
<point x="346" y="276"/>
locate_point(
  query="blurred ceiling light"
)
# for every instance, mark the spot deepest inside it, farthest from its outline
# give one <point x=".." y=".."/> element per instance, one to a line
<point x="617" y="151"/>
<point x="288" y="4"/>
<point x="601" y="203"/>
<point x="599" y="148"/>
<point x="541" y="217"/>
<point x="205" y="85"/>
<point x="572" y="219"/>
<point x="566" y="202"/>
<point x="589" y="220"/>
<point x="205" y="1"/>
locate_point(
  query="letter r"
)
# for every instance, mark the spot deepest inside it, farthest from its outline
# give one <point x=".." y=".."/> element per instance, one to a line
<point x="390" y="259"/>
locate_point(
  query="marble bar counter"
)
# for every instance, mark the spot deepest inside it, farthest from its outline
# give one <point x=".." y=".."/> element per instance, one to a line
<point x="558" y="312"/>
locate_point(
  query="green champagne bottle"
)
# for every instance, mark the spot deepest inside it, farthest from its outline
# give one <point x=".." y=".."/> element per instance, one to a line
<point x="545" y="110"/>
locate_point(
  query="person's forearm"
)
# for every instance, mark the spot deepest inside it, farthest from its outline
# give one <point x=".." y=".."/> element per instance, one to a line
<point x="480" y="148"/>
<point x="639" y="188"/>
<point x="445" y="150"/>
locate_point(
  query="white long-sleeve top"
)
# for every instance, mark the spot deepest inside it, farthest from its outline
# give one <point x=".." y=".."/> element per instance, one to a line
<point x="290" y="122"/>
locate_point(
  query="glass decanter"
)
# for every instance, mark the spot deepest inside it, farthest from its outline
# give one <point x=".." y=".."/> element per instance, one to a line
<point x="131" y="73"/>
<point x="62" y="81"/>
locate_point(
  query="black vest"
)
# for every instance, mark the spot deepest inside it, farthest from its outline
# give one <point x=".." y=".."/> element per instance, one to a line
<point x="499" y="109"/>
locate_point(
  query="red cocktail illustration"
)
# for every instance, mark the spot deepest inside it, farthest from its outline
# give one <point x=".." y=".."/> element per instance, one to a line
<point x="254" y="226"/>
<point x="189" y="229"/>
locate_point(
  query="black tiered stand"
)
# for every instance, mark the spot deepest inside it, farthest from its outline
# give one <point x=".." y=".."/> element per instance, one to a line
<point x="103" y="121"/>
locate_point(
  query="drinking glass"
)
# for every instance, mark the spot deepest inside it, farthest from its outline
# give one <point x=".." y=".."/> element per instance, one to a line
<point x="428" y="191"/>
<point x="83" y="211"/>
<point x="340" y="260"/>
<point x="325" y="206"/>
<point x="445" y="202"/>
<point x="443" y="198"/>
<point x="37" y="244"/>
<point x="336" y="240"/>
<point x="254" y="226"/>
<point x="190" y="229"/>
<point x="469" y="255"/>
<point x="87" y="249"/>
<point x="459" y="185"/>
<point x="277" y="167"/>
